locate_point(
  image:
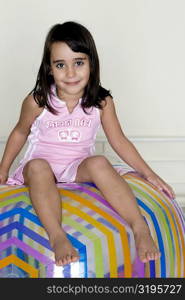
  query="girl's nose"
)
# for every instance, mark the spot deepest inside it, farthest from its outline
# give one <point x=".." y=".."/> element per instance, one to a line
<point x="70" y="72"/>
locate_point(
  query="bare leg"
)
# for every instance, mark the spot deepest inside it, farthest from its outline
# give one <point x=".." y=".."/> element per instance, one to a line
<point x="47" y="204"/>
<point x="118" y="193"/>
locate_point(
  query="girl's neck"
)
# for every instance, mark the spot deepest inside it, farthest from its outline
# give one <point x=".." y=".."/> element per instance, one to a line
<point x="68" y="98"/>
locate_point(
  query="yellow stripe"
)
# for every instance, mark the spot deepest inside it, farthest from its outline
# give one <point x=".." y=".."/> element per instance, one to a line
<point x="120" y="227"/>
<point x="4" y="188"/>
<point x="147" y="270"/>
<point x="12" y="259"/>
<point x="13" y="192"/>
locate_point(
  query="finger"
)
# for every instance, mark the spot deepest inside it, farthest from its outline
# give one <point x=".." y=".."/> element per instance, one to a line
<point x="169" y="191"/>
<point x="2" y="181"/>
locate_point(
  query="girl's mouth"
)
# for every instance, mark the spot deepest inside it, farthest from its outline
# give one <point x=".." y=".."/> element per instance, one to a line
<point x="72" y="83"/>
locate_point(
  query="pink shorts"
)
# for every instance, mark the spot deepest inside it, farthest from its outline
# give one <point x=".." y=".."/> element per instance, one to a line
<point x="65" y="174"/>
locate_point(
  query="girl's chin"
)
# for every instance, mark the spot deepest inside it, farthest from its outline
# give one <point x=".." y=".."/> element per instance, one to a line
<point x="72" y="92"/>
<point x="71" y="89"/>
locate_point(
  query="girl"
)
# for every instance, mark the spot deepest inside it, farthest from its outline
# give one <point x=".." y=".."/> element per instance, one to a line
<point x="60" y="118"/>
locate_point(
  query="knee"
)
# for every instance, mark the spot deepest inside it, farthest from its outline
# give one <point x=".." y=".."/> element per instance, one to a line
<point x="97" y="162"/>
<point x="36" y="166"/>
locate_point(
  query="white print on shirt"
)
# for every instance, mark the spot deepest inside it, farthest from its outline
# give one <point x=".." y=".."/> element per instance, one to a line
<point x="69" y="135"/>
<point x="69" y="123"/>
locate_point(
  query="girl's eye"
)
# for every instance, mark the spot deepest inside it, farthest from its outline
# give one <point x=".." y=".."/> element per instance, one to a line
<point x="60" y="65"/>
<point x="80" y="63"/>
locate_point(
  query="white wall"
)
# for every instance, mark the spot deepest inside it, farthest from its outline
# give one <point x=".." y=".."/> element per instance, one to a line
<point x="142" y="53"/>
<point x="141" y="46"/>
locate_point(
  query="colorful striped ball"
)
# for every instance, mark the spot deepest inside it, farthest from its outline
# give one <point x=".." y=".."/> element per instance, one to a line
<point x="104" y="241"/>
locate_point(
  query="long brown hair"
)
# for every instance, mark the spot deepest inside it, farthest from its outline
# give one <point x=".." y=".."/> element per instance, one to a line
<point x="79" y="39"/>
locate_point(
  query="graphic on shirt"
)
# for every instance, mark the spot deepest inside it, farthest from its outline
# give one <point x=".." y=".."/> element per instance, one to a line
<point x="69" y="135"/>
<point x="69" y="123"/>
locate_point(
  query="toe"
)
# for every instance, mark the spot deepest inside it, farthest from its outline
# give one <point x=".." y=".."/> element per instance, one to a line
<point x="143" y="256"/>
<point x="75" y="258"/>
<point x="151" y="256"/>
<point x="59" y="262"/>
<point x="68" y="258"/>
<point x="157" y="255"/>
<point x="64" y="261"/>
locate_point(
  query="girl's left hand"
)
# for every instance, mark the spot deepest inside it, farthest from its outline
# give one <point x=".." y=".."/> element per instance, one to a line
<point x="160" y="184"/>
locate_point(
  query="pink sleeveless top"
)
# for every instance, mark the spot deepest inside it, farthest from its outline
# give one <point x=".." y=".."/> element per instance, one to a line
<point x="64" y="140"/>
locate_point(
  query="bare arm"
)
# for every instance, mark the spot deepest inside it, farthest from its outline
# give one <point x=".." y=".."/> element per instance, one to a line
<point x="19" y="134"/>
<point x="126" y="150"/>
<point x="119" y="142"/>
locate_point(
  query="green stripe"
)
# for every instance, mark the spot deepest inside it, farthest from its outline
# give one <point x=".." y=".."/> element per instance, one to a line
<point x="42" y="270"/>
<point x="15" y="200"/>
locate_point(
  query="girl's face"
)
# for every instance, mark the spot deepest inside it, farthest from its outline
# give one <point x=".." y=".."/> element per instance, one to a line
<point x="70" y="70"/>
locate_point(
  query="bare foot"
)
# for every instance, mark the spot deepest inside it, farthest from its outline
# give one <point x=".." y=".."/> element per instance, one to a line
<point x="145" y="245"/>
<point x="64" y="251"/>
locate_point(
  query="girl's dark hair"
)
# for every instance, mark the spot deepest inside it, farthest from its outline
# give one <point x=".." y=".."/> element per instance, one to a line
<point x="79" y="39"/>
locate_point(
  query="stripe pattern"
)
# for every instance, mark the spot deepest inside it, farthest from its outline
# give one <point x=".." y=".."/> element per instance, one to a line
<point x="104" y="241"/>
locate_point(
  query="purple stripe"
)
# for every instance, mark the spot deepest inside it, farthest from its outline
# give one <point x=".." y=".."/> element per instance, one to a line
<point x="138" y="268"/>
<point x="66" y="227"/>
<point x="91" y="212"/>
<point x="79" y="220"/>
<point x="93" y="194"/>
<point x="33" y="235"/>
<point x="42" y="258"/>
<point x="179" y="213"/>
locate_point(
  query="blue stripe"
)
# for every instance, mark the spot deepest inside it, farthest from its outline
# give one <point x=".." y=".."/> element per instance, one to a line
<point x="159" y="237"/>
<point x="152" y="269"/>
<point x="22" y="212"/>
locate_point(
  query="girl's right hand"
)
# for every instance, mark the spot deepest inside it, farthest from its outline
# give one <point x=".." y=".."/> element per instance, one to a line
<point x="3" y="176"/>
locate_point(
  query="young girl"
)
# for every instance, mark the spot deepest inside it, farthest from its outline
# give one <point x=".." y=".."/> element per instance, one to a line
<point x="60" y="118"/>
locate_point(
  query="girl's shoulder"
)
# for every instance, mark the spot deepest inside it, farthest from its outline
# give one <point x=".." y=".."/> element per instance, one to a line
<point x="29" y="104"/>
<point x="107" y="105"/>
<point x="29" y="112"/>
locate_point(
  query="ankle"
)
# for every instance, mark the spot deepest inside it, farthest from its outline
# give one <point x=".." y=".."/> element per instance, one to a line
<point x="140" y="226"/>
<point x="57" y="235"/>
